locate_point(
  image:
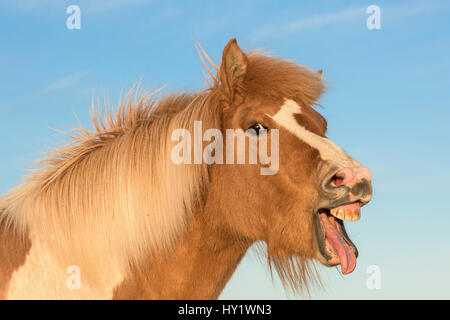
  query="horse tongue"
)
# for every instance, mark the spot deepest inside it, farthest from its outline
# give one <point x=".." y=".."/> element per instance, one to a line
<point x="333" y="237"/>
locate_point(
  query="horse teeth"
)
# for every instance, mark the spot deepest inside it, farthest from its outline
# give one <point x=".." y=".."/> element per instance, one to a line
<point x="345" y="214"/>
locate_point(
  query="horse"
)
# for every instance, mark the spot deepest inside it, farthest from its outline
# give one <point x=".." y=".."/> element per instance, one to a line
<point x="111" y="215"/>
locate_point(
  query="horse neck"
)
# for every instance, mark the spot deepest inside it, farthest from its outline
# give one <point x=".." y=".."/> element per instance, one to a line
<point x="198" y="267"/>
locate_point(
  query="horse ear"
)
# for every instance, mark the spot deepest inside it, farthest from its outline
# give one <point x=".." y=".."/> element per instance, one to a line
<point x="320" y="72"/>
<point x="233" y="69"/>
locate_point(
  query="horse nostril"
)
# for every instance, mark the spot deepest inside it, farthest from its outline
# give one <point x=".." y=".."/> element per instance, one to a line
<point x="350" y="177"/>
<point x="336" y="181"/>
<point x="341" y="177"/>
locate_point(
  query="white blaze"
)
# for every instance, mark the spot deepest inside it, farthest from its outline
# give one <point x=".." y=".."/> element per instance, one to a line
<point x="328" y="150"/>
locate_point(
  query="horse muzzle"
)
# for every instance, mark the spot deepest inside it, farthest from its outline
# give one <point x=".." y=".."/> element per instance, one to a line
<point x="344" y="192"/>
<point x="345" y="186"/>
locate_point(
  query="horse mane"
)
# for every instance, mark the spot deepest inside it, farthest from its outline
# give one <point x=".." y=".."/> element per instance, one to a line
<point x="135" y="110"/>
<point x="115" y="190"/>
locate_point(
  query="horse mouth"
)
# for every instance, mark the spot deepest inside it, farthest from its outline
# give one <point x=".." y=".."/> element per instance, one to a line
<point x="335" y="246"/>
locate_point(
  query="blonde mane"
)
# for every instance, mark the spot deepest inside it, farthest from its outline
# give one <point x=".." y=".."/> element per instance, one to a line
<point x="114" y="190"/>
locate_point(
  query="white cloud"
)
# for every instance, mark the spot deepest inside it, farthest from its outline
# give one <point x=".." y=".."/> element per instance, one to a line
<point x="86" y="6"/>
<point x="28" y="5"/>
<point x="112" y="5"/>
<point x="325" y="19"/>
<point x="317" y="21"/>
<point x="65" y="82"/>
<point x="344" y="16"/>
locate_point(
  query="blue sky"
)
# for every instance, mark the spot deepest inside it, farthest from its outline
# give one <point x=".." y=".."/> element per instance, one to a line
<point x="387" y="104"/>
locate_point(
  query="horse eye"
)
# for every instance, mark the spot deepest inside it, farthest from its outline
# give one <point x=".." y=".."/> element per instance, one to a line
<point x="257" y="127"/>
